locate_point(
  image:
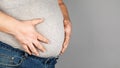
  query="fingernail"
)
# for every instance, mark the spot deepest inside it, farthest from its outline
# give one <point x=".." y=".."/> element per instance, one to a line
<point x="37" y="54"/>
<point x="42" y="19"/>
<point x="44" y="50"/>
<point x="61" y="52"/>
<point x="47" y="41"/>
<point x="29" y="53"/>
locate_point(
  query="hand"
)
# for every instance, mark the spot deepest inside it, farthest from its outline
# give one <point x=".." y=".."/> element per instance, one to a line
<point x="28" y="37"/>
<point x="67" y="29"/>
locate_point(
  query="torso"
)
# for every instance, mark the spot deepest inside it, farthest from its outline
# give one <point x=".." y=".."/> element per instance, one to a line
<point x="52" y="28"/>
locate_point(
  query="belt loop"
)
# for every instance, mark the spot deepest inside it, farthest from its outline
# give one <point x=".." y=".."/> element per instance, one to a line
<point x="47" y="60"/>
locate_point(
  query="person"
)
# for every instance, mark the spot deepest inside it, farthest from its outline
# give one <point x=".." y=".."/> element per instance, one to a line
<point x="33" y="33"/>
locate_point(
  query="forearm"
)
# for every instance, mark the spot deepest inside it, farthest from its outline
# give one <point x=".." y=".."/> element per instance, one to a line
<point x="7" y="23"/>
<point x="64" y="10"/>
<point x="67" y="25"/>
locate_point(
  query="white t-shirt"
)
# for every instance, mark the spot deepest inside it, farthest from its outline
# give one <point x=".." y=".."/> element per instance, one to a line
<point x="52" y="28"/>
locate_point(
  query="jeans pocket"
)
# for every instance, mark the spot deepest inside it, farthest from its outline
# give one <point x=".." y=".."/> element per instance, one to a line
<point x="6" y="60"/>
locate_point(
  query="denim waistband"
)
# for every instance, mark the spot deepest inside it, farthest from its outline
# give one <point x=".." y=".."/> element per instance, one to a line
<point x="18" y="52"/>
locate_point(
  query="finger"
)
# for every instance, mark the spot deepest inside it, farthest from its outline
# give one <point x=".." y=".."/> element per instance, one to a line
<point x="33" y="49"/>
<point x="41" y="38"/>
<point x="66" y="43"/>
<point x="67" y="38"/>
<point x="65" y="46"/>
<point x="39" y="46"/>
<point x="37" y="21"/>
<point x="27" y="49"/>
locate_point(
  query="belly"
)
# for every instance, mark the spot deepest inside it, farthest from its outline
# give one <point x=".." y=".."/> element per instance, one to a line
<point x="52" y="28"/>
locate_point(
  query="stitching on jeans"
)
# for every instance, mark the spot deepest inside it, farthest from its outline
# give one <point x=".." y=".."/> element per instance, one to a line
<point x="13" y="65"/>
<point x="7" y="48"/>
<point x="6" y="56"/>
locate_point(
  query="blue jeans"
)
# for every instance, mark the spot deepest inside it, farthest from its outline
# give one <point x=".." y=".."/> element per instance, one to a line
<point x="15" y="58"/>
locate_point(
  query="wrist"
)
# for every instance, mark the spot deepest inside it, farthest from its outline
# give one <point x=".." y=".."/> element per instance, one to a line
<point x="7" y="23"/>
<point x="11" y="27"/>
<point x="66" y="19"/>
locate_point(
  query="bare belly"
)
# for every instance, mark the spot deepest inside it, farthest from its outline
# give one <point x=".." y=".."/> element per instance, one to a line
<point x="52" y="28"/>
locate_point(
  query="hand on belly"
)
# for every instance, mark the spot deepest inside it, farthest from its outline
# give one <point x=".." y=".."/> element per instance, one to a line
<point x="29" y="38"/>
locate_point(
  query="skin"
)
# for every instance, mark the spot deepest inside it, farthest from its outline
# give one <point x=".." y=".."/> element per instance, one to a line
<point x="67" y="25"/>
<point x="25" y="32"/>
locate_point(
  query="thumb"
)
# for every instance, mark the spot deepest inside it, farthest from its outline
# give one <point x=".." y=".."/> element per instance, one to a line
<point x="37" y="21"/>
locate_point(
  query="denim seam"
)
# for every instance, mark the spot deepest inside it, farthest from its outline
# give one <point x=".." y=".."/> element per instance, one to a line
<point x="6" y="56"/>
<point x="10" y="57"/>
<point x="13" y="65"/>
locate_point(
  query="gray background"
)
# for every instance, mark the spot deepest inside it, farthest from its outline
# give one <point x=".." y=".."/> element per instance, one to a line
<point x="95" y="41"/>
